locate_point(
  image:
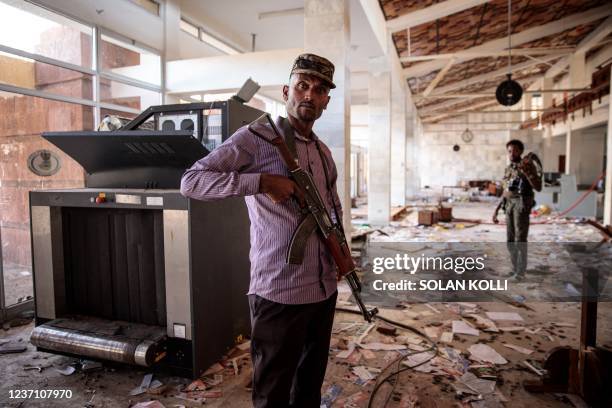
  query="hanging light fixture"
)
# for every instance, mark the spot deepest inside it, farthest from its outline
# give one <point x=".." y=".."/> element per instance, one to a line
<point x="509" y="92"/>
<point x="467" y="136"/>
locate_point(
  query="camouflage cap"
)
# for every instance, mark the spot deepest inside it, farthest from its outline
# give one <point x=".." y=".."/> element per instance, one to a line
<point x="314" y="65"/>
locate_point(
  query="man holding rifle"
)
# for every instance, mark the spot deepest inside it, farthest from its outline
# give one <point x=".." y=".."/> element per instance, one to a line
<point x="292" y="305"/>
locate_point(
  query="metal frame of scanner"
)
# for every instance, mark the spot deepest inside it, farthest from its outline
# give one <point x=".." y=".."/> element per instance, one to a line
<point x="168" y="287"/>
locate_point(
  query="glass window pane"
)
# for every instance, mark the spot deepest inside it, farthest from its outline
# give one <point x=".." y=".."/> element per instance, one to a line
<point x="24" y="119"/>
<point x="149" y="5"/>
<point x="130" y="61"/>
<point x="113" y="112"/>
<point x="130" y="96"/>
<point x="36" y="30"/>
<point x="30" y="74"/>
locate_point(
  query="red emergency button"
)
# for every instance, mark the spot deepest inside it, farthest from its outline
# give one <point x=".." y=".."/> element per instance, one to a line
<point x="101" y="198"/>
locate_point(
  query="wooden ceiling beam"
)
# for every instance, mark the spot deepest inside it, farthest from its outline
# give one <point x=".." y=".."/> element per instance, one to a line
<point x="459" y="110"/>
<point x="525" y="36"/>
<point x="449" y="104"/>
<point x="431" y="13"/>
<point x="482" y="95"/>
<point x="438" y="78"/>
<point x="483" y="54"/>
<point x="487" y="76"/>
<point x="586" y="44"/>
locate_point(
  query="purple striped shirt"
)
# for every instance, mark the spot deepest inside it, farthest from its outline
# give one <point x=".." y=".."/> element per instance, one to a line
<point x="234" y="169"/>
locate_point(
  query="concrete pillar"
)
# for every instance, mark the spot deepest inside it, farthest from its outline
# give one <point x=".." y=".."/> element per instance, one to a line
<point x="412" y="170"/>
<point x="327" y="33"/>
<point x="379" y="150"/>
<point x="172" y="17"/>
<point x="608" y="192"/>
<point x="547" y="83"/>
<point x="526" y="105"/>
<point x="398" y="142"/>
<point x="577" y="71"/>
<point x="570" y="141"/>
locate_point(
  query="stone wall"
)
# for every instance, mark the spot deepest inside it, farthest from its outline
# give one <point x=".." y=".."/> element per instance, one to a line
<point x="483" y="158"/>
<point x="25" y="119"/>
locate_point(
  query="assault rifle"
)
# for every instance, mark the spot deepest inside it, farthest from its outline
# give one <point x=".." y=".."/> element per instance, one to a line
<point x="315" y="217"/>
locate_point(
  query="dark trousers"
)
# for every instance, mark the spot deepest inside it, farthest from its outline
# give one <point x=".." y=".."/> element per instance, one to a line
<point x="289" y="348"/>
<point x="517" y="228"/>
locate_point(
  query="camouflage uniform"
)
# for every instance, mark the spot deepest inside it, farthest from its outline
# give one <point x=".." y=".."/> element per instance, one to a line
<point x="517" y="208"/>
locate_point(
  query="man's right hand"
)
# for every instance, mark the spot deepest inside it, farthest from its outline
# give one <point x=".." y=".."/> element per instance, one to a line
<point x="280" y="188"/>
<point x="494" y="219"/>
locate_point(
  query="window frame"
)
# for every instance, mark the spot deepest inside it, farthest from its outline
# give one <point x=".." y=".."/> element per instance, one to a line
<point x="140" y="4"/>
<point x="95" y="70"/>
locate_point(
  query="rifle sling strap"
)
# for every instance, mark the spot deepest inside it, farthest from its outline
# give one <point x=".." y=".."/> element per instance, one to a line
<point x="290" y="141"/>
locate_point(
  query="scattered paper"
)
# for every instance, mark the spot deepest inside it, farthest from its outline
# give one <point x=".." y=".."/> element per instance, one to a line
<point x="486" y="324"/>
<point x="149" y="404"/>
<point x="461" y="327"/>
<point x="476" y="384"/>
<point x="518" y="348"/>
<point x="446" y="337"/>
<point x="432" y="332"/>
<point x="363" y="373"/>
<point x="418" y="359"/>
<point x="504" y="316"/>
<point x="482" y="352"/>
<point x="67" y="370"/>
<point x="144" y="385"/>
<point x="353" y="400"/>
<point x="365" y="332"/>
<point x="536" y="370"/>
<point x="417" y="347"/>
<point x="409" y="338"/>
<point x="196" y="385"/>
<point x="346" y="353"/>
<point x="534" y="331"/>
<point x="368" y="354"/>
<point x="561" y="324"/>
<point x="433" y="309"/>
<point x="88" y="365"/>
<point x="332" y="393"/>
<point x="382" y="346"/>
<point x="344" y="326"/>
<point x="512" y="328"/>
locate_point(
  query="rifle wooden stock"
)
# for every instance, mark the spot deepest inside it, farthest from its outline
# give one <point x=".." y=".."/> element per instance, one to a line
<point x="341" y="254"/>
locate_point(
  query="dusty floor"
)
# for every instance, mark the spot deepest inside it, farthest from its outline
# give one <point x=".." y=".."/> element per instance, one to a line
<point x="546" y="326"/>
